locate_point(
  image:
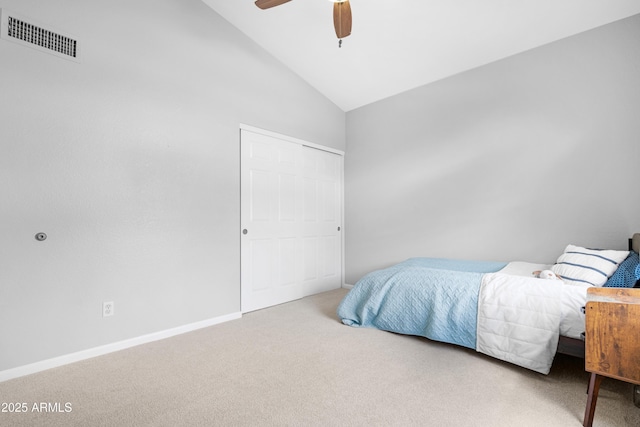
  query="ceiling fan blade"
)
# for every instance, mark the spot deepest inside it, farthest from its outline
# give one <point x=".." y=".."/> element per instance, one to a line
<point x="266" y="4"/>
<point x="342" y="18"/>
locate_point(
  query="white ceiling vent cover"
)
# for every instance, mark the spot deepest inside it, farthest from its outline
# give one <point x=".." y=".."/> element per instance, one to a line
<point x="25" y="32"/>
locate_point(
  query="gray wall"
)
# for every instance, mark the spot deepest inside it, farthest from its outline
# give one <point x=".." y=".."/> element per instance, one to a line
<point x="129" y="161"/>
<point x="510" y="161"/>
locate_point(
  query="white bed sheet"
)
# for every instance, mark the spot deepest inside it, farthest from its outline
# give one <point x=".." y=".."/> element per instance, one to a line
<point x="573" y="299"/>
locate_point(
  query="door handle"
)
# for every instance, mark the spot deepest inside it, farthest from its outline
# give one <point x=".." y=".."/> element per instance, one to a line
<point x="245" y="231"/>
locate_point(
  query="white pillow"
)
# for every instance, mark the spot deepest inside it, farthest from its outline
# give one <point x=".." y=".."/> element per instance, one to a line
<point x="589" y="266"/>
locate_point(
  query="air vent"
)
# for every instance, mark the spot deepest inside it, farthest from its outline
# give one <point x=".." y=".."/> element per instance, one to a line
<point x="23" y="31"/>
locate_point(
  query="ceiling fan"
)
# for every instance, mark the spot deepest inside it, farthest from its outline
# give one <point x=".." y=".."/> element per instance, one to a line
<point x="341" y="15"/>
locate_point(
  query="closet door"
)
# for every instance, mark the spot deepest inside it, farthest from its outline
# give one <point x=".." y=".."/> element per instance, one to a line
<point x="291" y="208"/>
<point x="322" y="212"/>
<point x="270" y="219"/>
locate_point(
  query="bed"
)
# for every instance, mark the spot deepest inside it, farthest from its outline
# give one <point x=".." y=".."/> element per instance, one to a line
<point x="496" y="308"/>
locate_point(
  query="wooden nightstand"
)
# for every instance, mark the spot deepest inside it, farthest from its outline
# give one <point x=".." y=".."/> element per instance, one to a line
<point x="612" y="342"/>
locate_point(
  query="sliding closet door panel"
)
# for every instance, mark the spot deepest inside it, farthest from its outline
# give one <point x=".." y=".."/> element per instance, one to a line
<point x="321" y="216"/>
<point x="270" y="185"/>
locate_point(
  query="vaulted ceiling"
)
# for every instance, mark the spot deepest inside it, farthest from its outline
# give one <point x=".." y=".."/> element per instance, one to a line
<point x="397" y="45"/>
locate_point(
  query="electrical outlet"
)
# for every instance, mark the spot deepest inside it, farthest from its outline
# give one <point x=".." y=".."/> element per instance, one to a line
<point x="107" y="309"/>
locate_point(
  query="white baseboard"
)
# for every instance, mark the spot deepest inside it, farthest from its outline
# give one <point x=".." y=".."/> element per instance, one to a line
<point x="347" y="286"/>
<point x="66" y="359"/>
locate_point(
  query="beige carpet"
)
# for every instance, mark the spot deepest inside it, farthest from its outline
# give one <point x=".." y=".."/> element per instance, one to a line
<point x="297" y="365"/>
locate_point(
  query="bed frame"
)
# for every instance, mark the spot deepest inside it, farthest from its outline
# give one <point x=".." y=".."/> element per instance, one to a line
<point x="575" y="347"/>
<point x="571" y="347"/>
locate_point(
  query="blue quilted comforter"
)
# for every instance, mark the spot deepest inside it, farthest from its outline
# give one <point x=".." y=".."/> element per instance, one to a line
<point x="429" y="297"/>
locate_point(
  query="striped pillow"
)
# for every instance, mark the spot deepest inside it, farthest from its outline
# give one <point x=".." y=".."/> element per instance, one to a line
<point x="591" y="266"/>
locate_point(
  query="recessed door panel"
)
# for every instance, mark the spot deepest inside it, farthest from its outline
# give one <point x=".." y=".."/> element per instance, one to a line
<point x="329" y="260"/>
<point x="310" y="199"/>
<point x="261" y="264"/>
<point x="259" y="199"/>
<point x="286" y="262"/>
<point x="287" y="197"/>
<point x="310" y="258"/>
